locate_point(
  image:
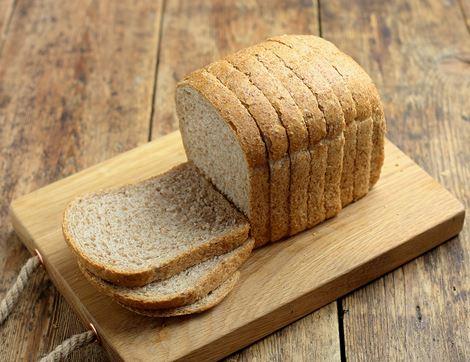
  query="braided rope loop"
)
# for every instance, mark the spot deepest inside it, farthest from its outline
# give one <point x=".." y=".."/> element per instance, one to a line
<point x="68" y="346"/>
<point x="7" y="304"/>
<point x="13" y="294"/>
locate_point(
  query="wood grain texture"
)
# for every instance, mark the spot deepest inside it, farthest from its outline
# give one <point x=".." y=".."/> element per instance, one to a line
<point x="312" y="338"/>
<point x="6" y="12"/>
<point x="76" y="81"/>
<point x="195" y="33"/>
<point x="419" y="54"/>
<point x="465" y="8"/>
<point x="363" y="242"/>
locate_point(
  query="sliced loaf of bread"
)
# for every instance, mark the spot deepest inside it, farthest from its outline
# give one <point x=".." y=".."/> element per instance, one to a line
<point x="209" y="301"/>
<point x="183" y="288"/>
<point x="344" y="96"/>
<point x="326" y="108"/>
<point x="333" y="113"/>
<point x="154" y="229"/>
<point x="315" y="124"/>
<point x="369" y="110"/>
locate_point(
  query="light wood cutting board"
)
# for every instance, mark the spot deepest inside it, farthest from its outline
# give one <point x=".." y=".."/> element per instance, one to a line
<point x="406" y="214"/>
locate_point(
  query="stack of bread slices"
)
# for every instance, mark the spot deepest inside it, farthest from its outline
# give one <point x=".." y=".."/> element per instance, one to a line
<point x="284" y="134"/>
<point x="168" y="246"/>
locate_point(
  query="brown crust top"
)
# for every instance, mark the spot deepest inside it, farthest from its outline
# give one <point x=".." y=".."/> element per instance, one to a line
<point x="335" y="80"/>
<point x="313" y="117"/>
<point x="356" y="79"/>
<point x="274" y="134"/>
<point x="237" y="117"/>
<point x="365" y="95"/>
<point x="327" y="101"/>
<point x="281" y="100"/>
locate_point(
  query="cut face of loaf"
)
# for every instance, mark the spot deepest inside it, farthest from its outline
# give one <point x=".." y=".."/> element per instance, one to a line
<point x="222" y="139"/>
<point x="326" y="109"/>
<point x="273" y="135"/>
<point x="153" y="229"/>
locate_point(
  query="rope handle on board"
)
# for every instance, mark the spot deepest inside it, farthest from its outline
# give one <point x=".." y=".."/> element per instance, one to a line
<point x="6" y="306"/>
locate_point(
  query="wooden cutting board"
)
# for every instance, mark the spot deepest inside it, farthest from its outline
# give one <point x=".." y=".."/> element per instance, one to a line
<point x="406" y="214"/>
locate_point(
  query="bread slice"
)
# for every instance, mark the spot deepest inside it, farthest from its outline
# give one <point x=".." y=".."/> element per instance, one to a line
<point x="274" y="136"/>
<point x="181" y="289"/>
<point x="370" y="116"/>
<point x="291" y="118"/>
<point x="363" y="127"/>
<point x="334" y="117"/>
<point x="209" y="301"/>
<point x="153" y="229"/>
<point x="344" y="96"/>
<point x="223" y="140"/>
<point x="315" y="124"/>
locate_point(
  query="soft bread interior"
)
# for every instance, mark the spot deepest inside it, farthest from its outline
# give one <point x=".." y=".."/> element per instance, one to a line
<point x="213" y="146"/>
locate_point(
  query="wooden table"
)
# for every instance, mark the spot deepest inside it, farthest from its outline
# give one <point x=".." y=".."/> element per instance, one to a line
<point x="81" y="81"/>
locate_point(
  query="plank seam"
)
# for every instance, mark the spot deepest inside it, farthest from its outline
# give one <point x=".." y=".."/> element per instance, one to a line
<point x="320" y="30"/>
<point x="340" y="314"/>
<point x="157" y="63"/>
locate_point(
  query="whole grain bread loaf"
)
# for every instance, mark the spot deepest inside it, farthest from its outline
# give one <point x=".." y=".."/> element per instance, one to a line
<point x="318" y="115"/>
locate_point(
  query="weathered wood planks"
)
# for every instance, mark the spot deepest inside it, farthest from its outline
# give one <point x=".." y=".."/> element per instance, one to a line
<point x="418" y="53"/>
<point x="76" y="83"/>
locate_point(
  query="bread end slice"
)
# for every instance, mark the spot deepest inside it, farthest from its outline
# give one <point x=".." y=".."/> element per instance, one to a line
<point x="182" y="289"/>
<point x="209" y="301"/>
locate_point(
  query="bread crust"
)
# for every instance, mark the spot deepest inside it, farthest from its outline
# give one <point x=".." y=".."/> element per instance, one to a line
<point x="345" y="98"/>
<point x="204" y="285"/>
<point x="242" y="124"/>
<point x="274" y="136"/>
<point x="291" y="118"/>
<point x="330" y="107"/>
<point x="315" y="126"/>
<point x="370" y="116"/>
<point x="203" y="304"/>
<point x="363" y="127"/>
<point x="139" y="277"/>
